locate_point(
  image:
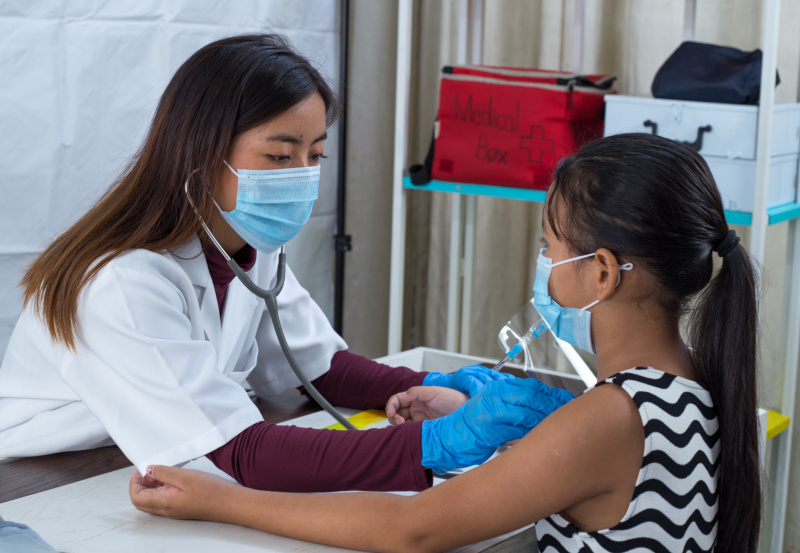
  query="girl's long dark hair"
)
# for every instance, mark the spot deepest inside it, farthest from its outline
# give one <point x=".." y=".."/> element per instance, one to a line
<point x="224" y="89"/>
<point x="653" y="201"/>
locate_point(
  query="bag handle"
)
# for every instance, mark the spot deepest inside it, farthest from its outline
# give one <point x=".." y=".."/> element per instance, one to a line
<point x="421" y="173"/>
<point x="578" y="80"/>
<point x="696" y="145"/>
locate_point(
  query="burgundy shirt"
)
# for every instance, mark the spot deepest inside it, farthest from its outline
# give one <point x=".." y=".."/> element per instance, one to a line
<point x="291" y="459"/>
<point x="221" y="274"/>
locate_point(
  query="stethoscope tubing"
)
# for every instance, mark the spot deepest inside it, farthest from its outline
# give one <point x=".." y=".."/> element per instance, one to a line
<point x="270" y="298"/>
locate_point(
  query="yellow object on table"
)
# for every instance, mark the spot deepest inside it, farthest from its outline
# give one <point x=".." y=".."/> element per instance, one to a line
<point x="776" y="423"/>
<point x="362" y="419"/>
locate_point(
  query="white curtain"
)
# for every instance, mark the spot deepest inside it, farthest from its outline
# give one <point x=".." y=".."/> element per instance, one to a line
<point x="79" y="81"/>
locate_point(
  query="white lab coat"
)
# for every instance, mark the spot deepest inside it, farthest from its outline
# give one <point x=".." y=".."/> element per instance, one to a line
<point x="155" y="372"/>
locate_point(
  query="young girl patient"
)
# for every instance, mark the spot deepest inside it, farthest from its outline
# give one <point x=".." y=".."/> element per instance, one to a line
<point x="661" y="455"/>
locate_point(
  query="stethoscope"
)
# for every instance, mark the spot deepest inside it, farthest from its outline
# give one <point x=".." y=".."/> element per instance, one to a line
<point x="270" y="297"/>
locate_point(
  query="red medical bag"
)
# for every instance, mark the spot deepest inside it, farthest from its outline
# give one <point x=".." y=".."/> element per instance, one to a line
<point x="510" y="127"/>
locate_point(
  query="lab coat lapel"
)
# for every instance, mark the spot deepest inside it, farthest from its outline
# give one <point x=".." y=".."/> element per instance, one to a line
<point x="237" y="320"/>
<point x="192" y="260"/>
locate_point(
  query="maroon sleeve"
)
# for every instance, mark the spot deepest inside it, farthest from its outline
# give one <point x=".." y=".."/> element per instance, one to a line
<point x="291" y="459"/>
<point x="360" y="383"/>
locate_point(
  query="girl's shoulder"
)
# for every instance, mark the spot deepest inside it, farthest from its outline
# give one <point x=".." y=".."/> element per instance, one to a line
<point x="678" y="416"/>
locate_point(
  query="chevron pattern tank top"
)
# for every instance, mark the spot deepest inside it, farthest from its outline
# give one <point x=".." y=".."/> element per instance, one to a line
<point x="674" y="504"/>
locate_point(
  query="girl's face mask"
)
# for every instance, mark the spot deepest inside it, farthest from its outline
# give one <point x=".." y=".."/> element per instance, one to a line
<point x="568" y="323"/>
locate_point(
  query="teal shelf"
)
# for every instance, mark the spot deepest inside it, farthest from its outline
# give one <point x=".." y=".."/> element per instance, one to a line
<point x="739" y="218"/>
<point x="479" y="190"/>
<point x="785" y="212"/>
<point x="777" y="214"/>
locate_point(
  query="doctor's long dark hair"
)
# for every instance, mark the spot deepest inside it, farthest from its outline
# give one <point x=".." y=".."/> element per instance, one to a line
<point x="654" y="202"/>
<point x="224" y="89"/>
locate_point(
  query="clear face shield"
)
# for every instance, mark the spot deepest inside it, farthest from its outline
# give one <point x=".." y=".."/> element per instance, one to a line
<point x="527" y="341"/>
<point x="519" y="336"/>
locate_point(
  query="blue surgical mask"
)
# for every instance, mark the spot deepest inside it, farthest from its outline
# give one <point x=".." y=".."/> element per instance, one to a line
<point x="568" y="323"/>
<point x="273" y="205"/>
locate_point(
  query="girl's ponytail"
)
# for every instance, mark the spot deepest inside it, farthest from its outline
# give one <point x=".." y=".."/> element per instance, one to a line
<point x="723" y="333"/>
<point x="653" y="201"/>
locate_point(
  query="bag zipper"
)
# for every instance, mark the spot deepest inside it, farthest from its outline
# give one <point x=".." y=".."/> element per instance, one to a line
<point x="561" y="78"/>
<point x="566" y="87"/>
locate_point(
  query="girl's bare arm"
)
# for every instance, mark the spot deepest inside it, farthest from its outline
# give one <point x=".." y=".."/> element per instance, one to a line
<point x="553" y="468"/>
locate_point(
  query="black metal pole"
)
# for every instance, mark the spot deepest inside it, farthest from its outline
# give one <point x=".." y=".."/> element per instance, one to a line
<point x="341" y="240"/>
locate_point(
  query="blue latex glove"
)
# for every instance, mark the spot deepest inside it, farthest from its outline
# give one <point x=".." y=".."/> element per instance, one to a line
<point x="500" y="412"/>
<point x="467" y="380"/>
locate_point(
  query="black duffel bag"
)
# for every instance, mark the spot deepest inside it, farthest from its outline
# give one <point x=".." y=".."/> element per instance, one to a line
<point x="709" y="73"/>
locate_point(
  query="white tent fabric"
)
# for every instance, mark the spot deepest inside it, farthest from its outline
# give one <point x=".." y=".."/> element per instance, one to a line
<point x="79" y="81"/>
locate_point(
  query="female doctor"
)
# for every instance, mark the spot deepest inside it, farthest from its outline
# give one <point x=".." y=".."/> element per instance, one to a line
<point x="135" y="331"/>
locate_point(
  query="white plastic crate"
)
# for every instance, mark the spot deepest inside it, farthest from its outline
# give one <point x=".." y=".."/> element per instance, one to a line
<point x="729" y="147"/>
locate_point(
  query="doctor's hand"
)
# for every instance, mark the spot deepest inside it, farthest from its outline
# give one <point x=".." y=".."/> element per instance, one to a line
<point x="422" y="403"/>
<point x="181" y="493"/>
<point x="501" y="412"/>
<point x="468" y="380"/>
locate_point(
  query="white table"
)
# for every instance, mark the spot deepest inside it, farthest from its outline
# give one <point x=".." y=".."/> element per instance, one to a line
<point x="96" y="516"/>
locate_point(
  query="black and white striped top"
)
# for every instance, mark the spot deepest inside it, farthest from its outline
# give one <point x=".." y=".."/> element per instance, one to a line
<point x="675" y="502"/>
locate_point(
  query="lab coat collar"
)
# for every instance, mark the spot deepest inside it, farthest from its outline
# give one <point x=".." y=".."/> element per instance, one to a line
<point x="230" y="335"/>
<point x="238" y="325"/>
<point x="192" y="260"/>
